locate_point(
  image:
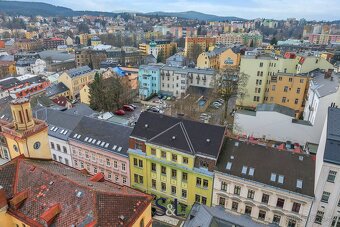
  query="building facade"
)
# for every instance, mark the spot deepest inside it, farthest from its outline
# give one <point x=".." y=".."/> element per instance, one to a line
<point x="203" y="42"/>
<point x="148" y="80"/>
<point x="250" y="181"/>
<point x="219" y="58"/>
<point x="53" y="43"/>
<point x="174" y="158"/>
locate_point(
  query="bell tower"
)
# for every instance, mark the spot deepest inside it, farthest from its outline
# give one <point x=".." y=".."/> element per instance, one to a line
<point x="26" y="135"/>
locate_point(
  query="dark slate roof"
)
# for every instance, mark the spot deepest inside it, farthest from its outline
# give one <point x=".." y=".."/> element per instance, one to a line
<point x="81" y="200"/>
<point x="325" y="86"/>
<point x="81" y="109"/>
<point x="332" y="149"/>
<point x="60" y="124"/>
<point x="56" y="89"/>
<point x="276" y="108"/>
<point x="183" y="135"/>
<point x="201" y="215"/>
<point x="56" y="55"/>
<point x="111" y="137"/>
<point x="9" y="82"/>
<point x="265" y="161"/>
<point x="78" y="71"/>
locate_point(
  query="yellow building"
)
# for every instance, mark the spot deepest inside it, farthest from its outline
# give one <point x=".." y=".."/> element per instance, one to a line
<point x="260" y="69"/>
<point x="202" y="42"/>
<point x="84" y="94"/>
<point x="75" y="79"/>
<point x="219" y="58"/>
<point x="288" y="90"/>
<point x="26" y="135"/>
<point x="83" y="38"/>
<point x="166" y="48"/>
<point x="7" y="68"/>
<point x="31" y="35"/>
<point x="173" y="158"/>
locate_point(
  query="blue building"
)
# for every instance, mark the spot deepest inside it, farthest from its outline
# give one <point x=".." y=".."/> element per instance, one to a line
<point x="149" y="80"/>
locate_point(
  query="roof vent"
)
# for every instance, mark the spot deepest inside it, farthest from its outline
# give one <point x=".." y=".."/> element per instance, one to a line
<point x="208" y="140"/>
<point x="232" y="157"/>
<point x="146" y="125"/>
<point x="79" y="194"/>
<point x="51" y="182"/>
<point x="174" y="137"/>
<point x="236" y="144"/>
<point x="301" y="158"/>
<point x="122" y="217"/>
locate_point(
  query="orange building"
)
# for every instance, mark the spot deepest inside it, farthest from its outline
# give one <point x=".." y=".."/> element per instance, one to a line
<point x="203" y="42"/>
<point x="288" y="89"/>
<point x="2" y="44"/>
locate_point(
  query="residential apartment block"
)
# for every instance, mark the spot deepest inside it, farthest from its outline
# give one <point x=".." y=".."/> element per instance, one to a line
<point x="53" y="43"/>
<point x="252" y="180"/>
<point x="75" y="79"/>
<point x="157" y="47"/>
<point x="174" y="158"/>
<point x="175" y="81"/>
<point x="203" y="42"/>
<point x="260" y="69"/>
<point x="148" y="80"/>
<point x="252" y="39"/>
<point x="324" y="39"/>
<point x="326" y="207"/>
<point x="89" y="57"/>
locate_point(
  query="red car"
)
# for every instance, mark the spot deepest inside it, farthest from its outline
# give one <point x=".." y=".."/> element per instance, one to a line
<point x="128" y="108"/>
<point x="120" y="112"/>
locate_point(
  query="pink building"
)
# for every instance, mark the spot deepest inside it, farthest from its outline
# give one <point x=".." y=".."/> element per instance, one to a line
<point x="100" y="146"/>
<point x="323" y="39"/>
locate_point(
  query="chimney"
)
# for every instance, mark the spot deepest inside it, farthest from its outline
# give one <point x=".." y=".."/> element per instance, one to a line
<point x="18" y="199"/>
<point x="3" y="200"/>
<point x="99" y="177"/>
<point x="328" y="73"/>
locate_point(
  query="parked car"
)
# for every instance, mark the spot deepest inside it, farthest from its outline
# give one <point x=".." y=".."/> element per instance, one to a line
<point x="153" y="109"/>
<point x="120" y="112"/>
<point x="220" y="101"/>
<point x="160" y="96"/>
<point x="133" y="106"/>
<point x="165" y="97"/>
<point x="128" y="108"/>
<point x="217" y="104"/>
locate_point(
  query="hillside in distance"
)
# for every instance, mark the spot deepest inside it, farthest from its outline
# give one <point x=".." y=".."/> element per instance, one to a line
<point x="196" y="15"/>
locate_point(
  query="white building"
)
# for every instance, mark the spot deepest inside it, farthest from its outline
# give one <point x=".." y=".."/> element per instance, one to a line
<point x="30" y="65"/>
<point x="268" y="185"/>
<point x="326" y="208"/>
<point x="60" y="127"/>
<point x="176" y="80"/>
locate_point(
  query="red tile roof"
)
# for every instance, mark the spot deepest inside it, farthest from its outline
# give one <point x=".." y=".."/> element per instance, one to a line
<point x="82" y="202"/>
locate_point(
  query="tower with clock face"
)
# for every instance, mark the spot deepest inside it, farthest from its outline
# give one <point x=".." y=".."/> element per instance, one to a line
<point x="26" y="135"/>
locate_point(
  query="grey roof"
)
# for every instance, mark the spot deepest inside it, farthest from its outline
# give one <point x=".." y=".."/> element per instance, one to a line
<point x="56" y="89"/>
<point x="25" y="62"/>
<point x="150" y="67"/>
<point x="204" y="216"/>
<point x="187" y="70"/>
<point x="56" y="55"/>
<point x="266" y="160"/>
<point x="7" y="58"/>
<point x="276" y="108"/>
<point x="9" y="82"/>
<point x="78" y="71"/>
<point x="183" y="135"/>
<point x="324" y="87"/>
<point x="332" y="149"/>
<point x="60" y="124"/>
<point x="81" y="109"/>
<point x="111" y="137"/>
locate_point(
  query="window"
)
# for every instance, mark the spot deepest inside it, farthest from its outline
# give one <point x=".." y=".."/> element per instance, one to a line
<point x="173" y="190"/>
<point x="244" y="169"/>
<point x="273" y="87"/>
<point x="174" y="158"/>
<point x="153" y="167"/>
<point x="339" y="203"/>
<point x="198" y="182"/>
<point x="95" y="170"/>
<point x="319" y="217"/>
<point x="184" y="177"/>
<point x="205" y="183"/>
<point x="296" y="101"/>
<point x="66" y="161"/>
<point x="82" y="165"/>
<point x="298" y="90"/>
<point x="115" y="164"/>
<point x="265" y="198"/>
<point x="163" y="170"/>
<point x="296" y="207"/>
<point x="301" y="80"/>
<point x="124" y="180"/>
<point x="64" y="149"/>
<point x="204" y="200"/>
<point x="237" y="190"/>
<point x="163" y="154"/>
<point x="262" y="215"/>
<point x="108" y="163"/>
<point x="261" y="64"/>
<point x="284" y="99"/>
<point x="280" y="202"/>
<point x="251" y="171"/>
<point x="197" y="198"/>
<point x="163" y="186"/>
<point x="299" y="183"/>
<point x="251" y="194"/>
<point x="109" y="176"/>
<point x="140" y="179"/>
<point x="336" y="222"/>
<point x="135" y="162"/>
<point x="185" y="160"/>
<point x="273" y="177"/>
<point x="174" y="173"/>
<point x="153" y="151"/>
<point x="123" y="166"/>
<point x="290" y="79"/>
<point x="325" y="197"/>
<point x="247" y="210"/>
<point x="140" y="162"/>
<point x="280" y="78"/>
<point x="55" y="157"/>
<point x="184" y="193"/>
<point x="281" y="179"/>
<point x="58" y="147"/>
<point x="331" y="176"/>
<point x="224" y="186"/>
<point x="234" y="206"/>
<point x="141" y="224"/>
<point x="285" y="89"/>
<point x="276" y="219"/>
<point x="52" y="145"/>
<point x="221" y="201"/>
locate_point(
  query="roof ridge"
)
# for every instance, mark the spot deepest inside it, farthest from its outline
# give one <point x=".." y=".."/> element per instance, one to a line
<point x="161" y="133"/>
<point x="187" y="138"/>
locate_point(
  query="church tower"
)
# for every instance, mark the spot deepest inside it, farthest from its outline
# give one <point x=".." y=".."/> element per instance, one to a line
<point x="26" y="135"/>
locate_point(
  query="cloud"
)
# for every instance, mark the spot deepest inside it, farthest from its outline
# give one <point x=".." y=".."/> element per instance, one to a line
<point x="277" y="9"/>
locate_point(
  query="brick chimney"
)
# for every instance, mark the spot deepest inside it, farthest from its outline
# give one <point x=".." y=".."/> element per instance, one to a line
<point x="328" y="73"/>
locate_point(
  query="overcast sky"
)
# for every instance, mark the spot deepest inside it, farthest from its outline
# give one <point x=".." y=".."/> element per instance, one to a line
<point x="249" y="9"/>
